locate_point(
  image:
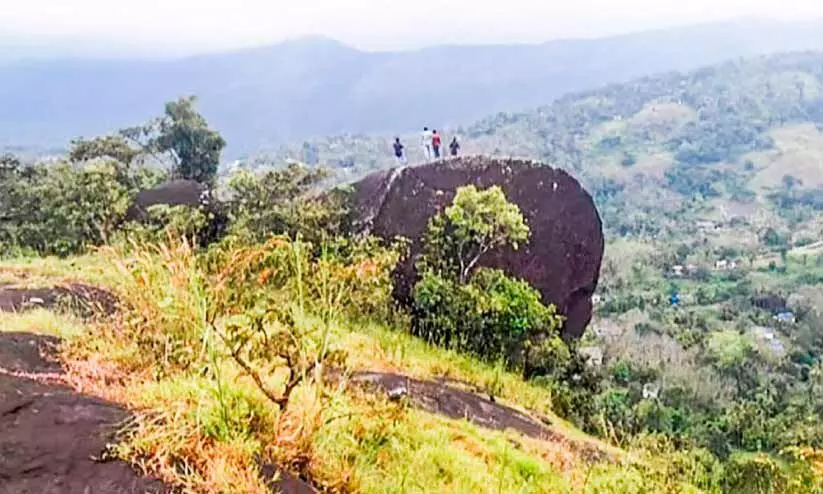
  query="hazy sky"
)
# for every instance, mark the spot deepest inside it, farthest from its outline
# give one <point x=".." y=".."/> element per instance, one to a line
<point x="205" y="25"/>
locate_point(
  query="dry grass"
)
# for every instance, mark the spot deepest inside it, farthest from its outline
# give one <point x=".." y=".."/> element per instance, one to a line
<point x="798" y="152"/>
<point x="42" y="272"/>
<point x="42" y="321"/>
<point x="202" y="427"/>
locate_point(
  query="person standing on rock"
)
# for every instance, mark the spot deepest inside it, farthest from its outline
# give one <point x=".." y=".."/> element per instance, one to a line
<point x="454" y="146"/>
<point x="436" y="142"/>
<point x="398" y="152"/>
<point x="426" y="143"/>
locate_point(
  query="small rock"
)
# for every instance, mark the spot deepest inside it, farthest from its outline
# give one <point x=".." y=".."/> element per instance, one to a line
<point x="396" y="394"/>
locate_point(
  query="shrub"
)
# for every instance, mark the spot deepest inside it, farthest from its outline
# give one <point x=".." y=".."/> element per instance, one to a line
<point x="164" y="222"/>
<point x="280" y="202"/>
<point x="755" y="474"/>
<point x="493" y="316"/>
<point x="62" y="209"/>
<point x="476" y="222"/>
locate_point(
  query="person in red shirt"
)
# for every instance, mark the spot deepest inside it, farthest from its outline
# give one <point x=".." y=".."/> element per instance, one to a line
<point x="436" y="142"/>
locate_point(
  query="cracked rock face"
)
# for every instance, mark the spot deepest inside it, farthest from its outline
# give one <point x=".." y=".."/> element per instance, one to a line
<point x="562" y="259"/>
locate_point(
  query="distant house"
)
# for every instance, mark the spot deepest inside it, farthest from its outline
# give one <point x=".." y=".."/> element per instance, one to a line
<point x="593" y="355"/>
<point x="785" y="317"/>
<point x="725" y="265"/>
<point x="596" y="299"/>
<point x="677" y="270"/>
<point x="651" y="391"/>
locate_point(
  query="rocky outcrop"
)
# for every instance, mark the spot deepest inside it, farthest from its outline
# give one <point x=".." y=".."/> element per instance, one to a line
<point x="563" y="256"/>
<point x="769" y="301"/>
<point x="52" y="439"/>
<point x="183" y="193"/>
<point x="173" y="193"/>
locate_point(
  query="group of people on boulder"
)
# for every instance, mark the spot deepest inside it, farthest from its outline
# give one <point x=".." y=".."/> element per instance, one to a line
<point x="430" y="141"/>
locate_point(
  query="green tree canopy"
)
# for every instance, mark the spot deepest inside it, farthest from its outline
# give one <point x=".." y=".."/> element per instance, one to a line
<point x="476" y="222"/>
<point x="111" y="146"/>
<point x="182" y="137"/>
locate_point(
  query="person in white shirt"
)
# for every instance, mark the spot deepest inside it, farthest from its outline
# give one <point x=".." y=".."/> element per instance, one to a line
<point x="426" y="143"/>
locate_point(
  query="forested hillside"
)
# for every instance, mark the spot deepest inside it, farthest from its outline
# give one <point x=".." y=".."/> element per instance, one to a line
<point x="264" y="97"/>
<point x="729" y="134"/>
<point x="253" y="316"/>
<point x="709" y="186"/>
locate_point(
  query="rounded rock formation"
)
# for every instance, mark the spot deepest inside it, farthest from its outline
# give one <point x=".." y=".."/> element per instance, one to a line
<point x="562" y="258"/>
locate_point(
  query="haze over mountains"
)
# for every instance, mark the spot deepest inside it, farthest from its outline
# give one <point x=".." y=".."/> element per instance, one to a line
<point x="267" y="96"/>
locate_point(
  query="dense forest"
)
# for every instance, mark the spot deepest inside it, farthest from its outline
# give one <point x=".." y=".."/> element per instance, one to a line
<point x="701" y="371"/>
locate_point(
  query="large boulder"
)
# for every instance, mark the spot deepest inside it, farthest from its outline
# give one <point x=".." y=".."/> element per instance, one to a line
<point x="183" y="193"/>
<point x="562" y="258"/>
<point x="173" y="193"/>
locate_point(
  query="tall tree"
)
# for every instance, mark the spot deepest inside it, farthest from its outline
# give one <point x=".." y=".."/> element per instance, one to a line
<point x="184" y="134"/>
<point x="182" y="139"/>
<point x="476" y="222"/>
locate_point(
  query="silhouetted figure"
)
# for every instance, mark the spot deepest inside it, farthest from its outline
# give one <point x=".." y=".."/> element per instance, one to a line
<point x="426" y="143"/>
<point x="454" y="147"/>
<point x="398" y="152"/>
<point x="436" y="142"/>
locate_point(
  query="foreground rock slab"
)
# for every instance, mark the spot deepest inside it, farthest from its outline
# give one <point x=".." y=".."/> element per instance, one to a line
<point x="448" y="401"/>
<point x="51" y="438"/>
<point x="83" y="298"/>
<point x="562" y="259"/>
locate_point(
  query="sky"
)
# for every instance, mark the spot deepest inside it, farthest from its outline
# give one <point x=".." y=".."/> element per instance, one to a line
<point x="197" y="26"/>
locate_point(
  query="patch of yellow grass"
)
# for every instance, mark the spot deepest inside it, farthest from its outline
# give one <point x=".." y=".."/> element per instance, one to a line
<point x="798" y="152"/>
<point x="42" y="321"/>
<point x="43" y="272"/>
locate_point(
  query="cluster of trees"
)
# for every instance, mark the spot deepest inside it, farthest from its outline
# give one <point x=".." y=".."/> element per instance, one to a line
<point x="718" y="371"/>
<point x="84" y="199"/>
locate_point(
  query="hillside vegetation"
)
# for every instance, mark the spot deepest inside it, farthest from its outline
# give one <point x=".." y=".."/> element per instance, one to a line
<point x="728" y="135"/>
<point x="709" y="187"/>
<point x="701" y="371"/>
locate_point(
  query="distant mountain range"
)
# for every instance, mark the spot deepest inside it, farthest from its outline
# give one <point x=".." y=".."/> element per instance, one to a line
<point x="260" y="98"/>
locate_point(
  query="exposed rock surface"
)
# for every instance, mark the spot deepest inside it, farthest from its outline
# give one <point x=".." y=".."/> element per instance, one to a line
<point x="84" y="298"/>
<point x="183" y="193"/>
<point x="52" y="439"/>
<point x="442" y="399"/>
<point x="562" y="259"/>
<point x="173" y="193"/>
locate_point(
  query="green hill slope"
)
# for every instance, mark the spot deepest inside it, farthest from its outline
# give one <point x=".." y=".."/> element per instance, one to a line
<point x="708" y="324"/>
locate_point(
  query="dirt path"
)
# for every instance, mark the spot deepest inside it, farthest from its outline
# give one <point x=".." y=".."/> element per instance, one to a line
<point x="51" y="438"/>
